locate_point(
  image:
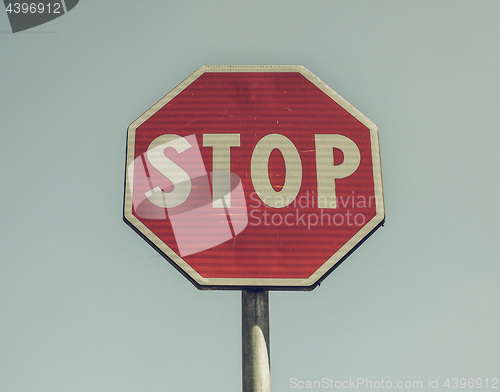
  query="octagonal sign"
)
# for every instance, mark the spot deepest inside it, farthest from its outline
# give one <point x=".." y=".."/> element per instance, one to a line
<point x="253" y="176"/>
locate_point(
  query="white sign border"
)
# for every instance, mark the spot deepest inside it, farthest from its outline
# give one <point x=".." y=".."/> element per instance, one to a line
<point x="267" y="283"/>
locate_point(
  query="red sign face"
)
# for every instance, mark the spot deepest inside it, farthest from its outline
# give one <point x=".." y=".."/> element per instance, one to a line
<point x="258" y="176"/>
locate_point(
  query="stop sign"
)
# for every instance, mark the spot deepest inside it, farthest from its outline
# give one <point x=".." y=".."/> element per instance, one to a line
<point x="253" y="176"/>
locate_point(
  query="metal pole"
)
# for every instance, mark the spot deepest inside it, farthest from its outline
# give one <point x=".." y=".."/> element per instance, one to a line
<point x="255" y="341"/>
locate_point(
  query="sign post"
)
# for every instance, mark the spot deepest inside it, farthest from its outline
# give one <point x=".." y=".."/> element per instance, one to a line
<point x="255" y="341"/>
<point x="254" y="178"/>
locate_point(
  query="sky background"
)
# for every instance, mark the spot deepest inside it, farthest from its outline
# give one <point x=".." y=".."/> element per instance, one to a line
<point x="87" y="305"/>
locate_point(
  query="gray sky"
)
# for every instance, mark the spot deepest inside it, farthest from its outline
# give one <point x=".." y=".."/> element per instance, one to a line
<point x="87" y="305"/>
